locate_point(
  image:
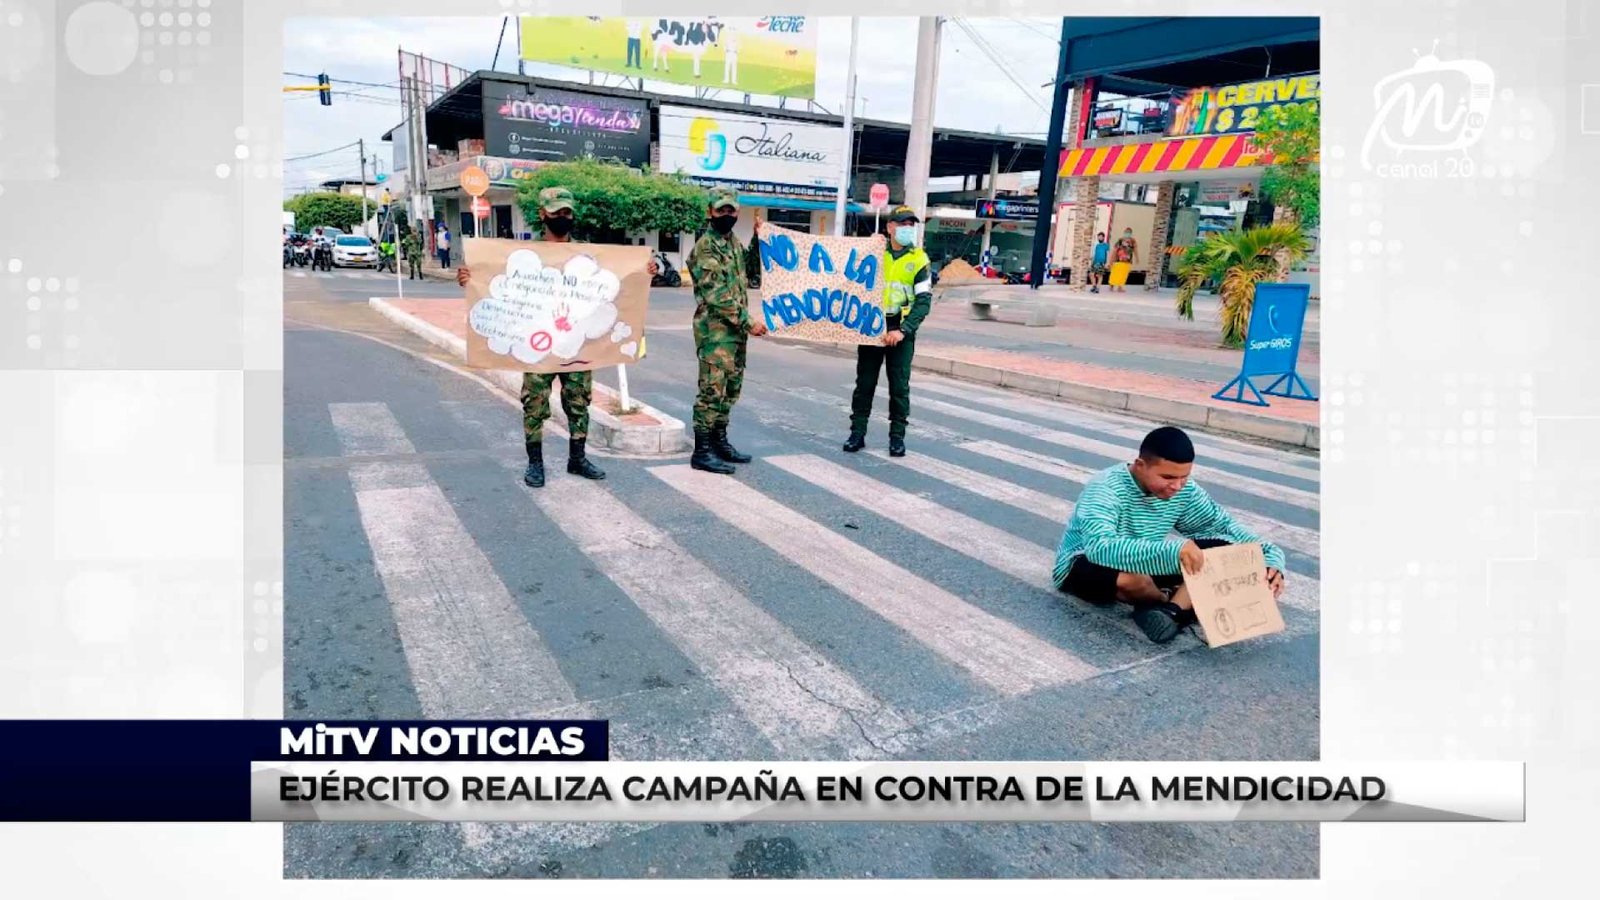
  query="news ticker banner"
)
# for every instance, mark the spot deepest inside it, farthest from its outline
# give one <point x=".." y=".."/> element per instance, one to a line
<point x="559" y="771"/>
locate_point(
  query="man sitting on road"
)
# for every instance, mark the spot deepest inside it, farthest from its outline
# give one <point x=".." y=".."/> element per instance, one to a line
<point x="1116" y="547"/>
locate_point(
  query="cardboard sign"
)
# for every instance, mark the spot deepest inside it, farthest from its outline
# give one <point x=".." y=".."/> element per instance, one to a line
<point x="821" y="288"/>
<point x="549" y="307"/>
<point x="1231" y="597"/>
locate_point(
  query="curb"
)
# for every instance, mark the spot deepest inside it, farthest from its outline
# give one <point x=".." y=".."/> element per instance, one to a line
<point x="1179" y="412"/>
<point x="665" y="437"/>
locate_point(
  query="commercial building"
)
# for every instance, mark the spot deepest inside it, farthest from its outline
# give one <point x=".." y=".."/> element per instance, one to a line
<point x="1172" y="103"/>
<point x="785" y="164"/>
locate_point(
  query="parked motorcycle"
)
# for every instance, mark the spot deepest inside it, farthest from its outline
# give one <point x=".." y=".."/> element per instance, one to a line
<point x="666" y="275"/>
<point x="301" y="253"/>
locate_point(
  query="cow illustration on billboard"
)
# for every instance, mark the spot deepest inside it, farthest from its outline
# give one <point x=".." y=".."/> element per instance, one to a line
<point x="691" y="36"/>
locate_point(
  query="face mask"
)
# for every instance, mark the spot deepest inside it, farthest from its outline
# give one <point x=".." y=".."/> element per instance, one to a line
<point x="560" y="226"/>
<point x="905" y="235"/>
<point x="723" y="224"/>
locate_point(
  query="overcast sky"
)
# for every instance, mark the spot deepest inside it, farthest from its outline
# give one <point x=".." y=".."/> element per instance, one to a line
<point x="973" y="94"/>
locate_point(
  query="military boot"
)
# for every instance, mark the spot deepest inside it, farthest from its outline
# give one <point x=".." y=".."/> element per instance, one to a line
<point x="724" y="450"/>
<point x="703" y="458"/>
<point x="855" y="442"/>
<point x="578" y="461"/>
<point x="533" y="476"/>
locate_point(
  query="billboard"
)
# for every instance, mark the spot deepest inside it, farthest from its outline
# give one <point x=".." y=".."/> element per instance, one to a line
<point x="748" y="153"/>
<point x="548" y="125"/>
<point x="774" y="55"/>
<point x="1235" y="107"/>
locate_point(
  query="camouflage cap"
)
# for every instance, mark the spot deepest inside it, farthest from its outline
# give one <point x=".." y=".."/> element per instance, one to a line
<point x="724" y="197"/>
<point x="903" y="214"/>
<point x="556" y="198"/>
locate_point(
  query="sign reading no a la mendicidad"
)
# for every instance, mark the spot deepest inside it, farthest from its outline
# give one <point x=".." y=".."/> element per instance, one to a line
<point x="822" y="288"/>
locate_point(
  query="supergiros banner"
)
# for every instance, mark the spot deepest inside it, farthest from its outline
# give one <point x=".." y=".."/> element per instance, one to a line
<point x="774" y="55"/>
<point x="1236" y="107"/>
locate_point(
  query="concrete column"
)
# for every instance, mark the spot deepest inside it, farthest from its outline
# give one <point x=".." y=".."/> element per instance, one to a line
<point x="994" y="178"/>
<point x="1085" y="204"/>
<point x="1156" y="263"/>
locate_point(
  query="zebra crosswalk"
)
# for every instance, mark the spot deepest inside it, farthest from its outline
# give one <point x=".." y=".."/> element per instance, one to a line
<point x="356" y="274"/>
<point x="816" y="605"/>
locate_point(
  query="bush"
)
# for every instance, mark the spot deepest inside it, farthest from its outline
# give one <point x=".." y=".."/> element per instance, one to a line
<point x="613" y="200"/>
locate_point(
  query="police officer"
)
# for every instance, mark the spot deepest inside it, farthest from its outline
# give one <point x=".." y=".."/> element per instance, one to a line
<point x="719" y="266"/>
<point x="556" y="210"/>
<point x="908" y="294"/>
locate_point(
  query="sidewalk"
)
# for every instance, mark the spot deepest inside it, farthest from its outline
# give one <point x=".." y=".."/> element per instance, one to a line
<point x="1126" y="352"/>
<point x="644" y="430"/>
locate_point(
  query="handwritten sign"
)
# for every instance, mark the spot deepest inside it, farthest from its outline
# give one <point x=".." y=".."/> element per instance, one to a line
<point x="549" y="307"/>
<point x="1231" y="597"/>
<point x="821" y="288"/>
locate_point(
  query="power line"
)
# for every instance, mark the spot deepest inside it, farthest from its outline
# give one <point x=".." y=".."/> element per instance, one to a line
<point x="321" y="153"/>
<point x="392" y="84"/>
<point x="995" y="57"/>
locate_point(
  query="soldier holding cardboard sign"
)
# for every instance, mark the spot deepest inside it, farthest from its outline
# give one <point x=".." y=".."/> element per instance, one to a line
<point x="721" y="331"/>
<point x="908" y="295"/>
<point x="1116" y="547"/>
<point x="556" y="216"/>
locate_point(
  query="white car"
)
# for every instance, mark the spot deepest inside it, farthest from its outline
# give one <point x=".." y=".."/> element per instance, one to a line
<point x="354" y="250"/>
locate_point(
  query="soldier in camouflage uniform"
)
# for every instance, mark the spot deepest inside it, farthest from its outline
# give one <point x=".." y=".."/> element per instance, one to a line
<point x="719" y="266"/>
<point x="411" y="245"/>
<point x="556" y="210"/>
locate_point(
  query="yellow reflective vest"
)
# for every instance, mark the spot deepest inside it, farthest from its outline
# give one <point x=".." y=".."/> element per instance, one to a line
<point x="899" y="280"/>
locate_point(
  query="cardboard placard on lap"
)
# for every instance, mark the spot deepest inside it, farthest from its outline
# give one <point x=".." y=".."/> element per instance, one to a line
<point x="1231" y="597"/>
<point x="821" y="288"/>
<point x="554" y="307"/>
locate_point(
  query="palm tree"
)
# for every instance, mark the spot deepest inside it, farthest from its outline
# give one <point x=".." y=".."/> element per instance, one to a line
<point x="1238" y="261"/>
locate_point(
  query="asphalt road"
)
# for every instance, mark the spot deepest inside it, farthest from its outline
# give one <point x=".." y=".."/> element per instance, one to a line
<point x="422" y="579"/>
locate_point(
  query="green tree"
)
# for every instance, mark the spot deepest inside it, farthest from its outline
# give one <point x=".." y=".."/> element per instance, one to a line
<point x="1237" y="261"/>
<point x="1292" y="135"/>
<point x="342" y="211"/>
<point x="613" y="200"/>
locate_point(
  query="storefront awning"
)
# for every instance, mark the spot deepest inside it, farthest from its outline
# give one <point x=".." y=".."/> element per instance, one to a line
<point x="1196" y="154"/>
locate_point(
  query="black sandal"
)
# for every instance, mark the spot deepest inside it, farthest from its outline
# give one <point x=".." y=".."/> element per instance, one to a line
<point x="1163" y="620"/>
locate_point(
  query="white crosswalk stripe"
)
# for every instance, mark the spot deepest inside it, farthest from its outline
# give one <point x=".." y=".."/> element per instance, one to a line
<point x="1057" y="509"/>
<point x="1117" y="452"/>
<point x="1208" y="447"/>
<point x="999" y="654"/>
<point x="803" y="703"/>
<point x="1293" y="537"/>
<point x="471" y="652"/>
<point x="1022" y="560"/>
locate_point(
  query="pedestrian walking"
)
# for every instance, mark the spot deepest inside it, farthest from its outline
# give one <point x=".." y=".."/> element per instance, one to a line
<point x="908" y="295"/>
<point x="442" y="242"/>
<point x="722" y="326"/>
<point x="557" y="211"/>
<point x="1123" y="257"/>
<point x="1102" y="255"/>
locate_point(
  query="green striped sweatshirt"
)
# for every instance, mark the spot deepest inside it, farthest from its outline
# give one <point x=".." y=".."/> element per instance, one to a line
<point x="1117" y="525"/>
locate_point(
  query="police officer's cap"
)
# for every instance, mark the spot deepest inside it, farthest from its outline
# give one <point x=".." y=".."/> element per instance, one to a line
<point x="903" y="214"/>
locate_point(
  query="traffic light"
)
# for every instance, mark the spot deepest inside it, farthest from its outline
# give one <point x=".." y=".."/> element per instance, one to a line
<point x="324" y="90"/>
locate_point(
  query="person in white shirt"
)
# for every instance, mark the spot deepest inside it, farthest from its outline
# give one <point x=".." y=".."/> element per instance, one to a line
<point x="730" y="56"/>
<point x="635" y="45"/>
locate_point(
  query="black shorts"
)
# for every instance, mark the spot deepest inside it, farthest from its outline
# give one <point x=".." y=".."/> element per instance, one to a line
<point x="1097" y="584"/>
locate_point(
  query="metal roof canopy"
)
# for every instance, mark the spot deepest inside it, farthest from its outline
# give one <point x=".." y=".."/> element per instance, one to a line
<point x="458" y="115"/>
<point x="1134" y="55"/>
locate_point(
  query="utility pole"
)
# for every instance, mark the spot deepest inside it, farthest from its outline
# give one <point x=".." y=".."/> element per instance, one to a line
<point x="361" y="147"/>
<point x="849" y="131"/>
<point x="1050" y="169"/>
<point x="919" y="150"/>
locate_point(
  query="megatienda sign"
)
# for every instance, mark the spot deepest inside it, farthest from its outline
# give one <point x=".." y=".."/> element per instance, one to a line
<point x="548" y="125"/>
